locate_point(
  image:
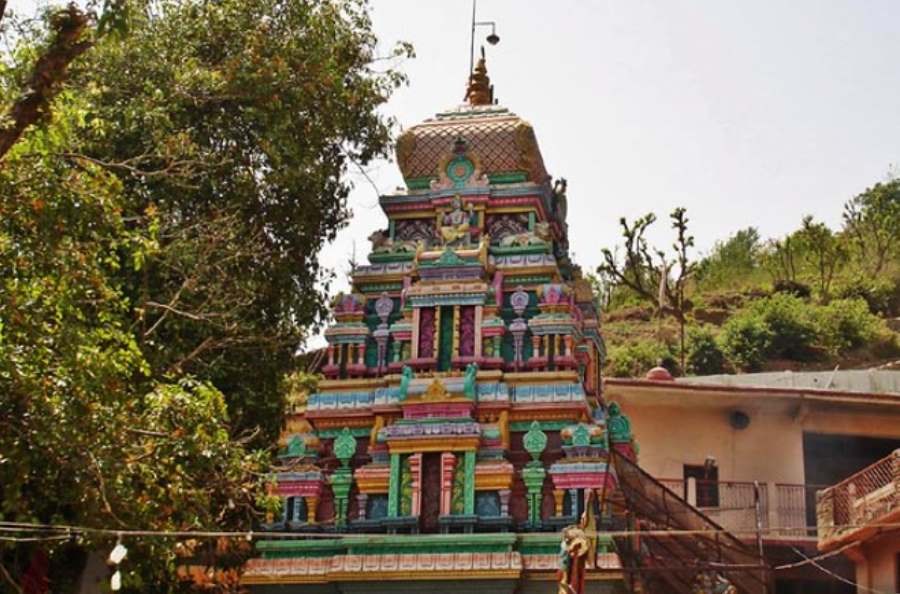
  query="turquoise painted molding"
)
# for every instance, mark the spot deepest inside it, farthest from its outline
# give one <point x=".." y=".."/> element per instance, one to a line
<point x="511" y="177"/>
<point x="419" y="183"/>
<point x="528" y="544"/>
<point x="380" y="287"/>
<point x="540" y="248"/>
<point x="469" y="495"/>
<point x="523" y="426"/>
<point x="380" y="258"/>
<point x="333" y="433"/>
<point x="511" y="281"/>
<point x="394" y="487"/>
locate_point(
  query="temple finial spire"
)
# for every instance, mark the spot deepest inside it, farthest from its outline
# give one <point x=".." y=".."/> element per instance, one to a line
<point x="480" y="91"/>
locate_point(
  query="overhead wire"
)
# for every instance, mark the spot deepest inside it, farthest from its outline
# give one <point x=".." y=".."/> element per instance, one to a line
<point x="25" y="527"/>
<point x="836" y="576"/>
<point x="36" y="532"/>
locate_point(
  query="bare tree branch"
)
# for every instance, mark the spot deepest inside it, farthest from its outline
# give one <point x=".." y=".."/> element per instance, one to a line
<point x="6" y="574"/>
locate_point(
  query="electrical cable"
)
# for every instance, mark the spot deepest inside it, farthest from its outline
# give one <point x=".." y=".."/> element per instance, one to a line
<point x="23" y="527"/>
<point x="836" y="576"/>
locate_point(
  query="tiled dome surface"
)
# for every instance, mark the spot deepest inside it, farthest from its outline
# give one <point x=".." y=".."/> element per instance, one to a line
<point x="504" y="142"/>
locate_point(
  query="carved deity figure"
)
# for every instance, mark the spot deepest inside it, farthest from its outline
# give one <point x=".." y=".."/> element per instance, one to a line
<point x="382" y="243"/>
<point x="540" y="236"/>
<point x="573" y="552"/>
<point x="618" y="425"/>
<point x="455" y="225"/>
<point x="469" y="380"/>
<point x="559" y="199"/>
<point x="405" y="377"/>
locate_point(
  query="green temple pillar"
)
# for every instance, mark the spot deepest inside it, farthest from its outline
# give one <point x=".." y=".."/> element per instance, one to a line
<point x="469" y="493"/>
<point x="533" y="474"/>
<point x="394" y="487"/>
<point x="342" y="479"/>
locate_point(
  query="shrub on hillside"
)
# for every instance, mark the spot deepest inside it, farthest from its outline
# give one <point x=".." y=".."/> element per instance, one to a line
<point x="791" y="287"/>
<point x="635" y="359"/>
<point x="846" y="324"/>
<point x="746" y="339"/>
<point x="881" y="295"/>
<point x="704" y="355"/>
<point x="792" y="324"/>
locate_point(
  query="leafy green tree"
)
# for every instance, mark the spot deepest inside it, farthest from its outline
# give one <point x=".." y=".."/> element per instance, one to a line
<point x="67" y="39"/>
<point x="779" y="258"/>
<point x="731" y="260"/>
<point x="235" y="124"/>
<point x="792" y="325"/>
<point x="846" y="324"/>
<point x="746" y="340"/>
<point x="704" y="355"/>
<point x="872" y="220"/>
<point x="823" y="250"/>
<point x="634" y="359"/>
<point x="160" y="219"/>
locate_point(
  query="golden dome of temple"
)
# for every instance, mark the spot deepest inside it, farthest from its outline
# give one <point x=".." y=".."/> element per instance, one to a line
<point x="504" y="144"/>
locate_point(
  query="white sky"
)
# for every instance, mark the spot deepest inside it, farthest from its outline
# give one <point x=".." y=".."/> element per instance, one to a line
<point x="745" y="112"/>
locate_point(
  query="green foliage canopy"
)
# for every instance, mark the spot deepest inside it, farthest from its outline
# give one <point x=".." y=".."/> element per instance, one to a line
<point x="159" y="235"/>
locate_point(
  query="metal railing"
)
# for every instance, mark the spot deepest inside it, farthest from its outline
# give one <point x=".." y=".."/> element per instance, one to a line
<point x="729" y="503"/>
<point x="795" y="509"/>
<point x="786" y="510"/>
<point x="862" y="498"/>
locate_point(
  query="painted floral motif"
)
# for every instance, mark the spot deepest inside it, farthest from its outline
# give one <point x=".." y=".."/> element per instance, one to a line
<point x="535" y="440"/>
<point x="426" y="333"/>
<point x="414" y="230"/>
<point x="467" y="331"/>
<point x="345" y="446"/>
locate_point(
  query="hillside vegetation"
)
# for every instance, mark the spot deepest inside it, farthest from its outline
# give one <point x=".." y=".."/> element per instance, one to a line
<point x="815" y="299"/>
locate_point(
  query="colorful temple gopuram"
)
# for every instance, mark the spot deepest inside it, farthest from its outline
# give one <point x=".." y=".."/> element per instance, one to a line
<point x="459" y="420"/>
<point x="459" y="440"/>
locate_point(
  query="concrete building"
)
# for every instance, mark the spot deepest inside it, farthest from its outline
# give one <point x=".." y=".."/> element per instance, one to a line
<point x="723" y="441"/>
<point x="859" y="517"/>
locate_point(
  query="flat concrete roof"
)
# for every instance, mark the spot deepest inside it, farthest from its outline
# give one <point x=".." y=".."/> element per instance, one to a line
<point x="866" y="381"/>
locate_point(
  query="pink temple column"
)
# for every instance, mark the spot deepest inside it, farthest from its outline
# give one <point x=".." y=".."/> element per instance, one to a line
<point x="362" y="499"/>
<point x="407" y="282"/>
<point x="448" y="465"/>
<point x="414" y="344"/>
<point x="504" y="502"/>
<point x="478" y="318"/>
<point x="415" y="470"/>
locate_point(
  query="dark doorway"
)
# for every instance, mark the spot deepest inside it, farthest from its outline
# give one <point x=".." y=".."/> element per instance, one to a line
<point x="445" y="340"/>
<point x="431" y="492"/>
<point x="707" y="477"/>
<point x="829" y="459"/>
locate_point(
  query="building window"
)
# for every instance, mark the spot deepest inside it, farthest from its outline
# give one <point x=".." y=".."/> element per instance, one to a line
<point x="707" y="478"/>
<point x="376" y="507"/>
<point x="295" y="509"/>
<point x="487" y="504"/>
